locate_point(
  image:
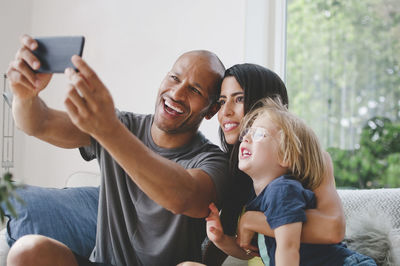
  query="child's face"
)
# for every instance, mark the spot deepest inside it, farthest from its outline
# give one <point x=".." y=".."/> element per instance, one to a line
<point x="258" y="151"/>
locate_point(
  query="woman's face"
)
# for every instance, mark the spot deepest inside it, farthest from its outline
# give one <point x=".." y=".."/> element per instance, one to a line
<point x="232" y="109"/>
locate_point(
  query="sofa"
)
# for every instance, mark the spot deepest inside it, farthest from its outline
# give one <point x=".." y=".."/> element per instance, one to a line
<point x="80" y="193"/>
<point x="372" y="220"/>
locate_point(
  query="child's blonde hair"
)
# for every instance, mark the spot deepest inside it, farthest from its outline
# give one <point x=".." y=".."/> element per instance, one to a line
<point x="299" y="147"/>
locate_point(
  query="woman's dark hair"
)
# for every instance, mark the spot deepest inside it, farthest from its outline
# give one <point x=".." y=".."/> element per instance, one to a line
<point x="257" y="82"/>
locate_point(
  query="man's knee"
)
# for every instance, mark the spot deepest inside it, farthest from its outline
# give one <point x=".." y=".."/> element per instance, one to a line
<point x="38" y="250"/>
<point x="25" y="249"/>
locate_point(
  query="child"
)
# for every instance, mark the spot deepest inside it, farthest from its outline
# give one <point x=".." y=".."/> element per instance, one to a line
<point x="283" y="157"/>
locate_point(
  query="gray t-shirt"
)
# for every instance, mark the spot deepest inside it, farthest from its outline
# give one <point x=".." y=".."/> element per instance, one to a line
<point x="132" y="229"/>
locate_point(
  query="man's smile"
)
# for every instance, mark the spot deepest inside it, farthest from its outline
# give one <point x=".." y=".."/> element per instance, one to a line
<point x="171" y="108"/>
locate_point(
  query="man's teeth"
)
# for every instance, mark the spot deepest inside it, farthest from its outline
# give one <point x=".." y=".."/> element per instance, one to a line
<point x="176" y="109"/>
<point x="230" y="126"/>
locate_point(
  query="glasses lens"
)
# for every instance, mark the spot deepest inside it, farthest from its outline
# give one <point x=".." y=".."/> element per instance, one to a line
<point x="258" y="134"/>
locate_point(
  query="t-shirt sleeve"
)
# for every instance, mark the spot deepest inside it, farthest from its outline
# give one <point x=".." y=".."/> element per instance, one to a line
<point x="88" y="153"/>
<point x="286" y="204"/>
<point x="215" y="164"/>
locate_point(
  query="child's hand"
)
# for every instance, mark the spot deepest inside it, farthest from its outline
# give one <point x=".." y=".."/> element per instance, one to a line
<point x="214" y="228"/>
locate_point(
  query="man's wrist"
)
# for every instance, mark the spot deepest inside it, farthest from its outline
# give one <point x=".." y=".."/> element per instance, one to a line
<point x="110" y="131"/>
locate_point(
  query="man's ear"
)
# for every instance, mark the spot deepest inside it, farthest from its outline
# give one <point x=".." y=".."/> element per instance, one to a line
<point x="214" y="108"/>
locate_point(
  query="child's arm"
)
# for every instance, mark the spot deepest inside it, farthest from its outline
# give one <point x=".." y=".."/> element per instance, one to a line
<point x="224" y="242"/>
<point x="288" y="244"/>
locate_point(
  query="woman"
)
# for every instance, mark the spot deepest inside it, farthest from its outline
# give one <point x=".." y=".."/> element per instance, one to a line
<point x="242" y="87"/>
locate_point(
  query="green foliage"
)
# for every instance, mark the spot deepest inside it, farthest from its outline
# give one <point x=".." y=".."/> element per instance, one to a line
<point x="343" y="67"/>
<point x="7" y="192"/>
<point x="376" y="163"/>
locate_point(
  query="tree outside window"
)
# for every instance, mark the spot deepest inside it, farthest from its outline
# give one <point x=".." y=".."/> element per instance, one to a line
<point x="343" y="78"/>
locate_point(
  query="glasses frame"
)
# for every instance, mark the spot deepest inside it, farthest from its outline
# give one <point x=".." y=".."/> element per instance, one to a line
<point x="256" y="133"/>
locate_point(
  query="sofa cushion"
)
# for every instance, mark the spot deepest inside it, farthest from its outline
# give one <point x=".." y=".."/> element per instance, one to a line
<point x="373" y="223"/>
<point x="68" y="215"/>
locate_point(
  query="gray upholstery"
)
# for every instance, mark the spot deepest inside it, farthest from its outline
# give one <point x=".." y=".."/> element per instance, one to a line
<point x="383" y="201"/>
<point x="373" y="223"/>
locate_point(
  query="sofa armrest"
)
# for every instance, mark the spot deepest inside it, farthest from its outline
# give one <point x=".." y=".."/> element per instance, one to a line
<point x="83" y="179"/>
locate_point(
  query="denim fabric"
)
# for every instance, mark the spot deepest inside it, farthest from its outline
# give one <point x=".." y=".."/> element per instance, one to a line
<point x="359" y="260"/>
<point x="68" y="215"/>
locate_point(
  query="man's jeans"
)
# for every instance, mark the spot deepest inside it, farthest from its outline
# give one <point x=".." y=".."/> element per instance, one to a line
<point x="359" y="259"/>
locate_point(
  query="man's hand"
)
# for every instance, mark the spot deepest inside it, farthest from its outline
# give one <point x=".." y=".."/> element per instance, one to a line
<point x="25" y="83"/>
<point x="89" y="104"/>
<point x="215" y="231"/>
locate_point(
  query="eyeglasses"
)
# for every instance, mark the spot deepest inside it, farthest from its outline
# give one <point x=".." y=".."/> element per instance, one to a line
<point x="256" y="133"/>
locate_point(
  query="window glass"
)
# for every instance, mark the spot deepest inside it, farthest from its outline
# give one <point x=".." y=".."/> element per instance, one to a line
<point x="343" y="78"/>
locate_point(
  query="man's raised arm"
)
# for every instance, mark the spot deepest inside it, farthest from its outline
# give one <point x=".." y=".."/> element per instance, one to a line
<point x="179" y="190"/>
<point x="30" y="113"/>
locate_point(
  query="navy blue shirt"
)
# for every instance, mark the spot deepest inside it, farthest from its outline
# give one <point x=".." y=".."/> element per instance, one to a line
<point x="284" y="201"/>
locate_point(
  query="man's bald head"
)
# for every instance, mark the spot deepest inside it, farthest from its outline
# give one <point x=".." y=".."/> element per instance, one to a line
<point x="213" y="63"/>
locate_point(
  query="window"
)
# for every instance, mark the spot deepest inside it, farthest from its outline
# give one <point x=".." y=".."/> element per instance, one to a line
<point x="343" y="78"/>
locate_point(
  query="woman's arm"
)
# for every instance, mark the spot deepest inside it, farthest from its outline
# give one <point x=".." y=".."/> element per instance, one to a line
<point x="288" y="244"/>
<point x="325" y="224"/>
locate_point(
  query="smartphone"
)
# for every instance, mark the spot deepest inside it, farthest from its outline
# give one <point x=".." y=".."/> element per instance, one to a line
<point x="54" y="53"/>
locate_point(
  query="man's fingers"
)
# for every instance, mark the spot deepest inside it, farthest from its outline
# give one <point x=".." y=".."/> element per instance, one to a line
<point x="86" y="71"/>
<point x="83" y="87"/>
<point x="26" y="55"/>
<point x="71" y="109"/>
<point x="78" y="102"/>
<point x="28" y="41"/>
<point x="24" y="69"/>
<point x="16" y="78"/>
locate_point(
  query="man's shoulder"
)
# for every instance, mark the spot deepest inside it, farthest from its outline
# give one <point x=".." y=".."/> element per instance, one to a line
<point x="202" y="145"/>
<point x="134" y="117"/>
<point x="204" y="141"/>
<point x="136" y="123"/>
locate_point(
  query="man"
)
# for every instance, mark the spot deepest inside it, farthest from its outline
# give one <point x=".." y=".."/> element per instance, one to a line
<point x="159" y="174"/>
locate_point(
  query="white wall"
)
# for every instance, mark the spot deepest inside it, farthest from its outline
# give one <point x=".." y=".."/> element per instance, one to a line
<point x="131" y="44"/>
<point x="11" y="28"/>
